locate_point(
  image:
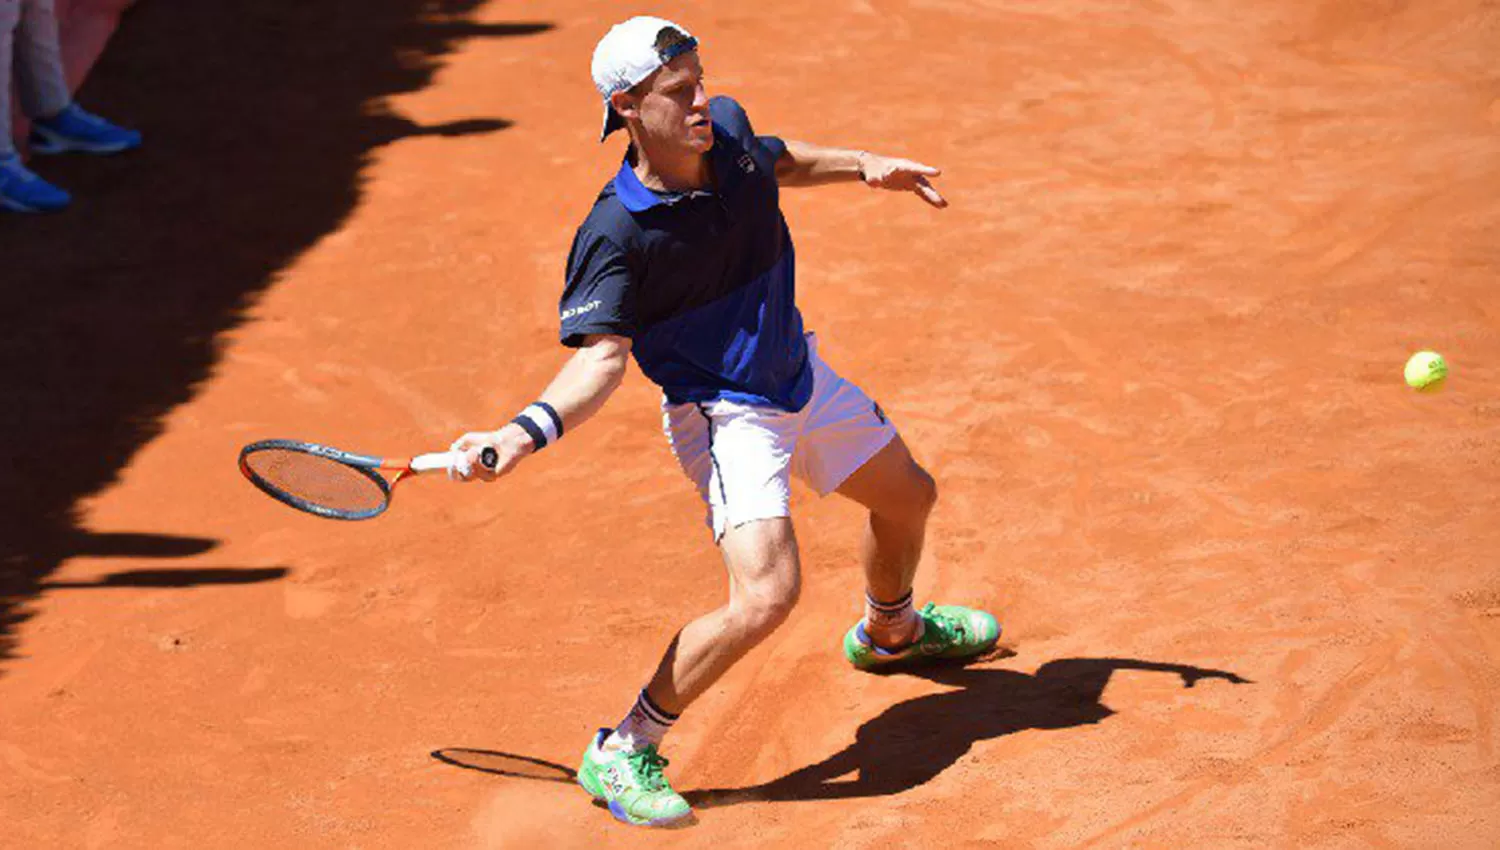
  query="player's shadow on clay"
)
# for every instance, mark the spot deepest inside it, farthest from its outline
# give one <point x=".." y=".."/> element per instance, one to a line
<point x="911" y="742"/>
<point x="168" y="578"/>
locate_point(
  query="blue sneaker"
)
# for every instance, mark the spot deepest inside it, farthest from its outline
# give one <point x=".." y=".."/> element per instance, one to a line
<point x="74" y="129"/>
<point x="23" y="191"/>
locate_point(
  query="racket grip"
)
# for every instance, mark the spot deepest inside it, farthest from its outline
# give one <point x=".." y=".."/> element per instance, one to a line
<point x="438" y="461"/>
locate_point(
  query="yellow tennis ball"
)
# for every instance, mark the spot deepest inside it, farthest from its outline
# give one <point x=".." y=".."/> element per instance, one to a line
<point x="1426" y="371"/>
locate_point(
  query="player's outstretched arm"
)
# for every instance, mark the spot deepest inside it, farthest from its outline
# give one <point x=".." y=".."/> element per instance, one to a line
<point x="812" y="165"/>
<point x="580" y="389"/>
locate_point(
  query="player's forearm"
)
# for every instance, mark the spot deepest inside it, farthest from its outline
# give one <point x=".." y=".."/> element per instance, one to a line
<point x="813" y="165"/>
<point x="579" y="389"/>
<point x="585" y="382"/>
<point x="810" y="165"/>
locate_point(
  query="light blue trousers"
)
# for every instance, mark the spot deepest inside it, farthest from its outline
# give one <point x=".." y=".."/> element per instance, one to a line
<point x="29" y="46"/>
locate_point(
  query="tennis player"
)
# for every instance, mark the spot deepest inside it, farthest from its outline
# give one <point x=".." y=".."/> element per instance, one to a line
<point x="685" y="262"/>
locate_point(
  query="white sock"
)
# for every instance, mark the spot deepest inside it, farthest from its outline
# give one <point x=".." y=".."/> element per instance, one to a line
<point x="900" y="615"/>
<point x="646" y="725"/>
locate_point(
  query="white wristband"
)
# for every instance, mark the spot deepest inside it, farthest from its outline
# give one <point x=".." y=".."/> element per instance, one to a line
<point x="541" y="422"/>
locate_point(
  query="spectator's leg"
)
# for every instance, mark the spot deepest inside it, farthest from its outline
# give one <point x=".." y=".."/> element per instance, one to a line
<point x="58" y="124"/>
<point x="20" y="190"/>
<point x="10" y="17"/>
<point x="41" y="80"/>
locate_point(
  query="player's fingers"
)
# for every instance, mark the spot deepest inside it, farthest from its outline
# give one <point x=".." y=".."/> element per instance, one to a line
<point x="476" y="468"/>
<point x="463" y="451"/>
<point x="929" y="194"/>
<point x="460" y="469"/>
<point x="928" y="170"/>
<point x="455" y="469"/>
<point x="469" y="441"/>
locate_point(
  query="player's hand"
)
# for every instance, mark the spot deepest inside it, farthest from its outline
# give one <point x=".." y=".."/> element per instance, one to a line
<point x="1191" y="676"/>
<point x="901" y="175"/>
<point x="510" y="443"/>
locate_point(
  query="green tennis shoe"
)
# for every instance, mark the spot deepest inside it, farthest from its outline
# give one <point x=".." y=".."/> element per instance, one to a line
<point x="949" y="631"/>
<point x="631" y="785"/>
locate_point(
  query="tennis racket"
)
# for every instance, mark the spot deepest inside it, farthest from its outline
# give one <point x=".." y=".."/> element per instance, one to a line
<point x="330" y="483"/>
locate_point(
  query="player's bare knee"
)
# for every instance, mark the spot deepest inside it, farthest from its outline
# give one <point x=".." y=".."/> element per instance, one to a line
<point x="925" y="491"/>
<point x="761" y="621"/>
<point x="773" y="608"/>
<point x="760" y="610"/>
<point x="918" y="496"/>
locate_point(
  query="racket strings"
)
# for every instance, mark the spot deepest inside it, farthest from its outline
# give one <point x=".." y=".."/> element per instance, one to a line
<point x="317" y="480"/>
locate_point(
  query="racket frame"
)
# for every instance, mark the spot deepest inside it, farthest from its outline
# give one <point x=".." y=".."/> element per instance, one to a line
<point x="365" y="465"/>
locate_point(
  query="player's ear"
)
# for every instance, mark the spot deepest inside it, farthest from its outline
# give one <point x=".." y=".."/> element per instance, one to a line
<point x="627" y="104"/>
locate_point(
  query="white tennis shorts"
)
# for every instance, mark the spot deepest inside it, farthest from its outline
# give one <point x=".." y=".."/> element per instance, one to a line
<point x="742" y="457"/>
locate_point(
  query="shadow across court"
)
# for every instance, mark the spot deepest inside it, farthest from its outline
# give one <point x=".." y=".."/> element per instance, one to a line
<point x="912" y="742"/>
<point x="512" y="765"/>
<point x="167" y="578"/>
<point x="259" y="117"/>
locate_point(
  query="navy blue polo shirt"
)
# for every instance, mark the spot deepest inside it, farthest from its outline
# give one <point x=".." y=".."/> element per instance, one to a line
<point x="702" y="282"/>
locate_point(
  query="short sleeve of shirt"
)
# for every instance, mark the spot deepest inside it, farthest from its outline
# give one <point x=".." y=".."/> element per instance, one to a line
<point x="598" y="297"/>
<point x="729" y="115"/>
<point x="773" y="146"/>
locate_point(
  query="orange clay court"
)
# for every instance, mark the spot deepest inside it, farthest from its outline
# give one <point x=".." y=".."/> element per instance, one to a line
<point x="1152" y="354"/>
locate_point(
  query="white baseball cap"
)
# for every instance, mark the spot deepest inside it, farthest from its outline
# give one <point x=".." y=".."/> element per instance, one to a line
<point x="629" y="53"/>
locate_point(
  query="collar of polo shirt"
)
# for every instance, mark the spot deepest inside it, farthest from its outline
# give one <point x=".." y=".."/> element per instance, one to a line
<point x="637" y="198"/>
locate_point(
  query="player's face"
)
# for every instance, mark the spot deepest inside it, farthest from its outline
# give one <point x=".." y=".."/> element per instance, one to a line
<point x="674" y="109"/>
